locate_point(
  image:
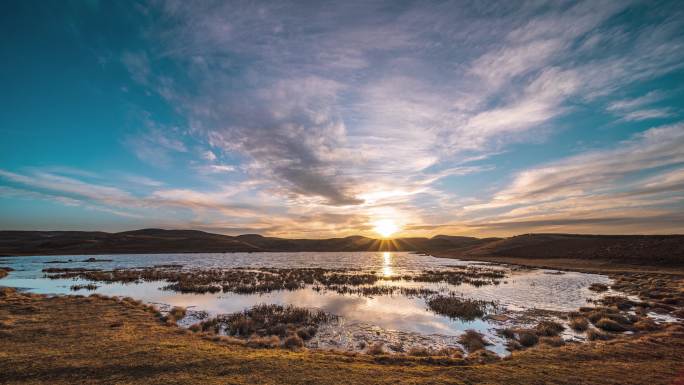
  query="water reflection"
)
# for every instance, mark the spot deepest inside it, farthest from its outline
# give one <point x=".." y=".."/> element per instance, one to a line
<point x="387" y="270"/>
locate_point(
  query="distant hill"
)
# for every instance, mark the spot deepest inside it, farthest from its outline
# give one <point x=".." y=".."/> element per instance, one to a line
<point x="656" y="250"/>
<point x="637" y="249"/>
<point x="186" y="241"/>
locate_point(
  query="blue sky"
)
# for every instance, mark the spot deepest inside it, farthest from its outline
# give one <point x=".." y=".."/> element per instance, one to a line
<point x="318" y="119"/>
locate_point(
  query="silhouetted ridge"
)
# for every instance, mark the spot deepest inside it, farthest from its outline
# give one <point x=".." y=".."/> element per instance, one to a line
<point x="638" y="249"/>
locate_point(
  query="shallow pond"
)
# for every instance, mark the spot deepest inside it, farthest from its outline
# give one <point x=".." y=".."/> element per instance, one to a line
<point x="398" y="321"/>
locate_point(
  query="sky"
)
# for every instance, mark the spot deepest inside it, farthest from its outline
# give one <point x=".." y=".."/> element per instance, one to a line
<point x="322" y="119"/>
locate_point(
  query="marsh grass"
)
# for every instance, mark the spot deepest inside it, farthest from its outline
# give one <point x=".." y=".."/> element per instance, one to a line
<point x="293" y="341"/>
<point x="472" y="341"/>
<point x="610" y="325"/>
<point x="459" y="308"/>
<point x="546" y="332"/>
<point x="473" y="275"/>
<point x="548" y="328"/>
<point x="267" y="325"/>
<point x="598" y="287"/>
<point x="552" y="341"/>
<point x="646" y="324"/>
<point x="597" y="335"/>
<point x="263" y="342"/>
<point x="89" y="286"/>
<point x="483" y="356"/>
<point x="579" y="324"/>
<point x="266" y="280"/>
<point x="527" y="338"/>
<point x="376" y="348"/>
<point x="174" y="315"/>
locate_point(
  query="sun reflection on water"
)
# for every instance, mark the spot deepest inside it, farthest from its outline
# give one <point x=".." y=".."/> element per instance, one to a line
<point x="387" y="270"/>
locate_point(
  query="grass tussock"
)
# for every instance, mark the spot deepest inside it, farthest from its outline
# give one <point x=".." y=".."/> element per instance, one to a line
<point x="579" y="324"/>
<point x="263" y="324"/>
<point x="459" y="308"/>
<point x="546" y="332"/>
<point x="293" y="341"/>
<point x="263" y="342"/>
<point x="421" y="351"/>
<point x="483" y="356"/>
<point x="528" y="338"/>
<point x="472" y="341"/>
<point x="646" y="325"/>
<point x="598" y="287"/>
<point x="597" y="335"/>
<point x="177" y="312"/>
<point x="376" y="348"/>
<point x="609" y="325"/>
<point x="552" y="341"/>
<point x="548" y="328"/>
<point x="174" y="315"/>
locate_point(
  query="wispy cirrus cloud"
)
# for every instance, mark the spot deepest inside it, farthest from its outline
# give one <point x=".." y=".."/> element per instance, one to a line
<point x="597" y="184"/>
<point x="637" y="109"/>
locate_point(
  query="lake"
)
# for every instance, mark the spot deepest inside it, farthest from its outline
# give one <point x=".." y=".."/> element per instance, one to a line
<point x="394" y="319"/>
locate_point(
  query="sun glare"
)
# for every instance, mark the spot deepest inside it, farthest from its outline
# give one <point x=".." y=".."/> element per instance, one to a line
<point x="385" y="227"/>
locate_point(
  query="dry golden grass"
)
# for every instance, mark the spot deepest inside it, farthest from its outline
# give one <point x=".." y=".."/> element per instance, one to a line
<point x="74" y="339"/>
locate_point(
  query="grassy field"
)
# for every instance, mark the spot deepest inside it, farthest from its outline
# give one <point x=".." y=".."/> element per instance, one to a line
<point x="70" y="340"/>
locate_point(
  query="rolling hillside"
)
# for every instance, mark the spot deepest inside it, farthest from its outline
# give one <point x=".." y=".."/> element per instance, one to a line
<point x="636" y="249"/>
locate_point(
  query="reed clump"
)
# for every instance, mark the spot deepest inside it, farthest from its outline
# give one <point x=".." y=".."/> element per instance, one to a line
<point x="376" y="348"/>
<point x="598" y="287"/>
<point x="597" y="335"/>
<point x="527" y="338"/>
<point x="548" y="328"/>
<point x="552" y="341"/>
<point x="609" y="325"/>
<point x="461" y="308"/>
<point x="89" y="286"/>
<point x="579" y="324"/>
<point x="473" y="275"/>
<point x="472" y="341"/>
<point x="262" y="324"/>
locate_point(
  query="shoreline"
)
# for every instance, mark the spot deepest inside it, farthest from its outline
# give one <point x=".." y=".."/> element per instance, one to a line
<point x="46" y="339"/>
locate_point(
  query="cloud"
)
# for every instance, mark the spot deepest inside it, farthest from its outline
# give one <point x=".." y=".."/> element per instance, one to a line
<point x="630" y="104"/>
<point x="652" y="113"/>
<point x="359" y="106"/>
<point x="155" y="145"/>
<point x="314" y="119"/>
<point x="143" y="180"/>
<point x="597" y="184"/>
<point x="138" y="65"/>
<point x="632" y="109"/>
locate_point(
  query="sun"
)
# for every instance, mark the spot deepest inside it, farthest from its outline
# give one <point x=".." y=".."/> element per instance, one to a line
<point x="385" y="227"/>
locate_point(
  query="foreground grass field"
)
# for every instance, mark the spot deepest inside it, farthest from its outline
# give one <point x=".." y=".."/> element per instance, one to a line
<point x="73" y="340"/>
